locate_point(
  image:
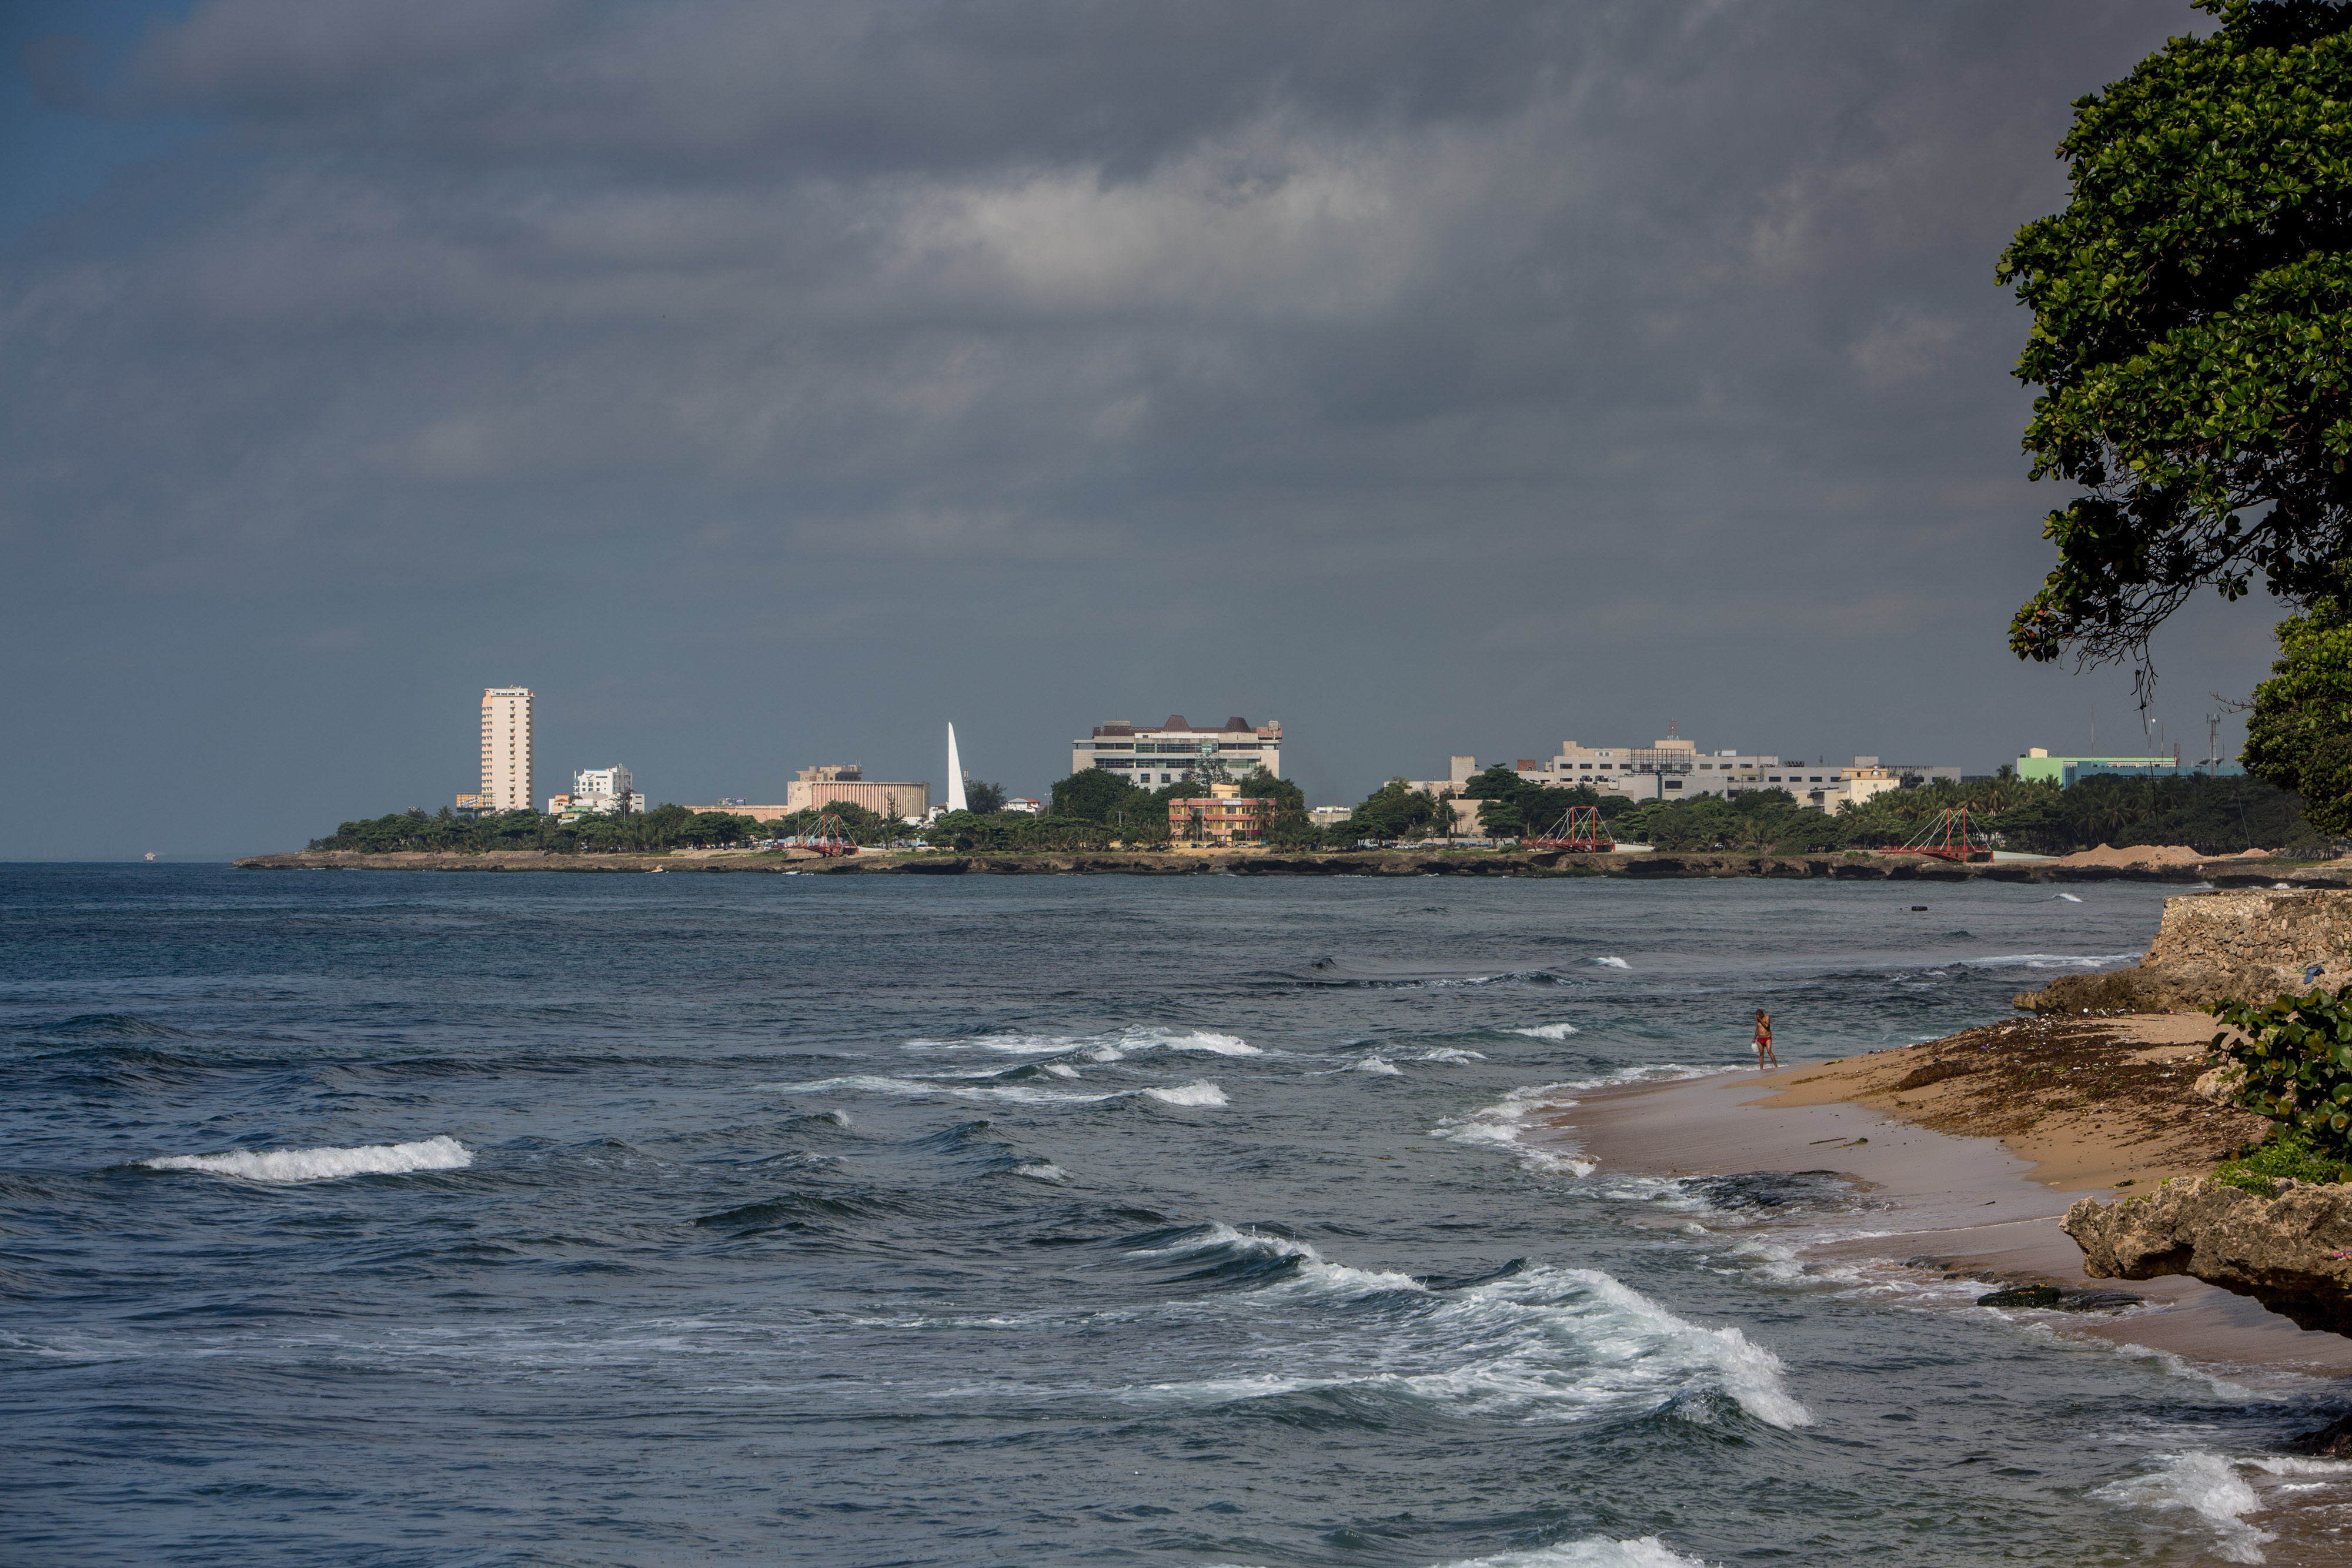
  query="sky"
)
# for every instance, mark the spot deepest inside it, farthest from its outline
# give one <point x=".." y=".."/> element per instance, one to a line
<point x="768" y="384"/>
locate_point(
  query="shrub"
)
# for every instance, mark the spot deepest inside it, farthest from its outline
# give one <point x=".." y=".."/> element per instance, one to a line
<point x="2296" y="1054"/>
<point x="2286" y="1156"/>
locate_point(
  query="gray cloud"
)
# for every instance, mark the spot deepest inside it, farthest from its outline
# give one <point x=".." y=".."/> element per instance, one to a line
<point x="1430" y="380"/>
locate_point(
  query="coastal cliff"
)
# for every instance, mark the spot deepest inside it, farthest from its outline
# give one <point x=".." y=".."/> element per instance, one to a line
<point x="2252" y="945"/>
<point x="2292" y="1252"/>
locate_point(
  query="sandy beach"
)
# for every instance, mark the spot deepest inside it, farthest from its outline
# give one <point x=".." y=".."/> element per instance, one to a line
<point x="1968" y="1149"/>
<point x="1965" y="1166"/>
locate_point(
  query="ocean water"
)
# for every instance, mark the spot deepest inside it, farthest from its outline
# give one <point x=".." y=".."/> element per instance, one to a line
<point x="388" y="1218"/>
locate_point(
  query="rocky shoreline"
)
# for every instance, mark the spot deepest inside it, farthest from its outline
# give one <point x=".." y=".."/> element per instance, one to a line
<point x="2291" y="1251"/>
<point x="2228" y="872"/>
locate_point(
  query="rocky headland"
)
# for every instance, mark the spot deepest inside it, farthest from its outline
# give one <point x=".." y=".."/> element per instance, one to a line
<point x="2253" y="946"/>
<point x="2291" y="1251"/>
<point x="2288" y="1246"/>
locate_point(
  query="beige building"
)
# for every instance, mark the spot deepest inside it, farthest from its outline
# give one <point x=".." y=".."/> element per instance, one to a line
<point x="838" y="785"/>
<point x="1151" y="757"/>
<point x="505" y="748"/>
<point x="1672" y="769"/>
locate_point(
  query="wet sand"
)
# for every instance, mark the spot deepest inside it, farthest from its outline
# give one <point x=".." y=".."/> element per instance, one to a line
<point x="1956" y="1202"/>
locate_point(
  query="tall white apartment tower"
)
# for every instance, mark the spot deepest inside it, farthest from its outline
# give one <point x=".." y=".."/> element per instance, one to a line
<point x="505" y="748"/>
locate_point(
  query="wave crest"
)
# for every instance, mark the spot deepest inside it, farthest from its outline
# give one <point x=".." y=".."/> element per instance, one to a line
<point x="441" y="1154"/>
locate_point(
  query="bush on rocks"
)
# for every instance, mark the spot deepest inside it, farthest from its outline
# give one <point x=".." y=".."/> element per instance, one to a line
<point x="2295" y="1061"/>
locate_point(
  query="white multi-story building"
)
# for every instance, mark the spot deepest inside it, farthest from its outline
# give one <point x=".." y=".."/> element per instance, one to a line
<point x="1152" y="757"/>
<point x="601" y="791"/>
<point x="505" y="748"/>
<point x="1674" y="769"/>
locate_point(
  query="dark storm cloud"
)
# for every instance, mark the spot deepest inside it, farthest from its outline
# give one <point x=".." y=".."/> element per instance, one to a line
<point x="1437" y="377"/>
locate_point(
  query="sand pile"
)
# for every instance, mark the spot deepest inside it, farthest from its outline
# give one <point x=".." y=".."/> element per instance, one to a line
<point x="2147" y="854"/>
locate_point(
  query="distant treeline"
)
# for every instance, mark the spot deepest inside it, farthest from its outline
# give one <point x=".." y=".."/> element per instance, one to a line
<point x="1094" y="808"/>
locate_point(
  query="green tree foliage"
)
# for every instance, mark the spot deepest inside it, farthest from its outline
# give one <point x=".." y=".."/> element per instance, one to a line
<point x="983" y="799"/>
<point x="1093" y="794"/>
<point x="2299" y="735"/>
<point x="1513" y="805"/>
<point x="664" y="827"/>
<point x="2294" y="1062"/>
<point x="2192" y="330"/>
<point x="1394" y="811"/>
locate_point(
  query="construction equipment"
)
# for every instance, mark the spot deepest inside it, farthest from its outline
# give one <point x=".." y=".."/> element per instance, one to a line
<point x="1578" y="828"/>
<point x="1948" y="836"/>
<point x="831" y="838"/>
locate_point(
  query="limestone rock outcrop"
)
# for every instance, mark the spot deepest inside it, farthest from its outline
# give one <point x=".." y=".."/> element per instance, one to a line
<point x="2252" y="945"/>
<point x="2292" y="1252"/>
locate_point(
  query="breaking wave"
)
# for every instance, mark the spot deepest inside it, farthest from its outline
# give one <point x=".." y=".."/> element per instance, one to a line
<point x="2208" y="1486"/>
<point x="1539" y="1344"/>
<point x="1201" y="1093"/>
<point x="1548" y="1032"/>
<point x="442" y="1153"/>
<point x="1592" y="1552"/>
<point x="1109" y="1045"/>
<point x="1502" y="1123"/>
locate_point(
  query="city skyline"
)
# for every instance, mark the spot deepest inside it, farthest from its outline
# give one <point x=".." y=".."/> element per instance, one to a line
<point x="1437" y="385"/>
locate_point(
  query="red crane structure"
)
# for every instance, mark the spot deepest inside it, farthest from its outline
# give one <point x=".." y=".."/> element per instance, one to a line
<point x="1948" y="836"/>
<point x="1578" y="828"/>
<point x="831" y="838"/>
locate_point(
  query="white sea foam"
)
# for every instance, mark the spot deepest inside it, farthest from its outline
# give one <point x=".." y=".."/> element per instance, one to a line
<point x="1061" y="1070"/>
<point x="1197" y="1093"/>
<point x="1445" y="1053"/>
<point x="1591" y="1552"/>
<point x="2050" y="960"/>
<point x="1043" y="1171"/>
<point x="1106" y="1046"/>
<point x="442" y="1153"/>
<point x="2207" y="1485"/>
<point x="1613" y="963"/>
<point x="2288" y="1465"/>
<point x="1375" y="1064"/>
<point x="1201" y="1093"/>
<point x="2069" y="898"/>
<point x="1547" y="1343"/>
<point x="873" y="1084"/>
<point x="1548" y="1032"/>
<point x="1500" y="1123"/>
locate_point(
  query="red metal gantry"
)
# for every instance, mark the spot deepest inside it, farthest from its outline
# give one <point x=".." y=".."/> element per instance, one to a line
<point x="831" y="838"/>
<point x="1948" y="836"/>
<point x="1578" y="828"/>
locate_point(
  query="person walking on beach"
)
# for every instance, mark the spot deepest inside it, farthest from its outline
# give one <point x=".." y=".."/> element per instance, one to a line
<point x="1764" y="1041"/>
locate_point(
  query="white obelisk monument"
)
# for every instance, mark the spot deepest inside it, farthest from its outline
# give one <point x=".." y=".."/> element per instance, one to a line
<point x="955" y="776"/>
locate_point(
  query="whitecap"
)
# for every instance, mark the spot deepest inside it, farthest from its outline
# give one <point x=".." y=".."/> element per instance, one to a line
<point x="1445" y="1053"/>
<point x="441" y="1154"/>
<point x="2069" y="898"/>
<point x="1591" y="1551"/>
<point x="1106" y="1045"/>
<point x="1375" y="1064"/>
<point x="2208" y="1486"/>
<point x="1548" y="1032"/>
<point x="1613" y="963"/>
<point x="1201" y="1093"/>
<point x="2053" y="960"/>
<point x="871" y="1084"/>
<point x="1041" y="1171"/>
<point x="1545" y="1343"/>
<point x="1499" y="1124"/>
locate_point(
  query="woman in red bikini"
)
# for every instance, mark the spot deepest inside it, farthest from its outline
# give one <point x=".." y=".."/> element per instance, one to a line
<point x="1764" y="1041"/>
